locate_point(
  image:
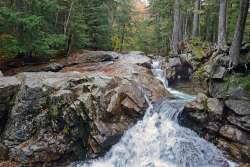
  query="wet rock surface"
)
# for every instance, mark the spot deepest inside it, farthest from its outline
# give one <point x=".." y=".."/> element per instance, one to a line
<point x="53" y="119"/>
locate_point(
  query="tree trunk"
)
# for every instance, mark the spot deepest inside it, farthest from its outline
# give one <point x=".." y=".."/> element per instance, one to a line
<point x="176" y="27"/>
<point x="68" y="18"/>
<point x="238" y="36"/>
<point x="158" y="33"/>
<point x="222" y="39"/>
<point x="123" y="37"/>
<point x="196" y="20"/>
<point x="19" y="4"/>
<point x="181" y="27"/>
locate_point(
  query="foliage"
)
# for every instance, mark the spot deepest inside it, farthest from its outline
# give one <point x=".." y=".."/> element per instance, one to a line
<point x="66" y="130"/>
<point x="199" y="74"/>
<point x="46" y="27"/>
<point x="53" y="111"/>
<point x="239" y="81"/>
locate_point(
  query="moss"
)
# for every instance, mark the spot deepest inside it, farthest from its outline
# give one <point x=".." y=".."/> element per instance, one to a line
<point x="66" y="130"/>
<point x="238" y="80"/>
<point x="53" y="111"/>
<point x="198" y="48"/>
<point x="198" y="52"/>
<point x="200" y="74"/>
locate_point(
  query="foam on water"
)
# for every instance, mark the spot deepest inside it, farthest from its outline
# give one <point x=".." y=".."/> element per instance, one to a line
<point x="159" y="141"/>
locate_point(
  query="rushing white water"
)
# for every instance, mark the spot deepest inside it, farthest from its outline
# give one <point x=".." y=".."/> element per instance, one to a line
<point x="159" y="141"/>
<point x="161" y="75"/>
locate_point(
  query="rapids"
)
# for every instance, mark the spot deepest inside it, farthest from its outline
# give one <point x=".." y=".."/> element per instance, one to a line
<point x="159" y="141"/>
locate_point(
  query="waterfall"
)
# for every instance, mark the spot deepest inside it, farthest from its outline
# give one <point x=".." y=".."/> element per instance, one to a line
<point x="159" y="141"/>
<point x="161" y="75"/>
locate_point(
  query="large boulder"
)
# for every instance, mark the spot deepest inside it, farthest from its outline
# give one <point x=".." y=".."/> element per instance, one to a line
<point x="235" y="134"/>
<point x="219" y="72"/>
<point x="60" y="117"/>
<point x="179" y="68"/>
<point x="173" y="62"/>
<point x="241" y="122"/>
<point x="240" y="107"/>
<point x="215" y="106"/>
<point x="235" y="150"/>
<point x="53" y="67"/>
<point x="53" y="112"/>
<point x="9" y="87"/>
<point x="218" y="89"/>
<point x="99" y="56"/>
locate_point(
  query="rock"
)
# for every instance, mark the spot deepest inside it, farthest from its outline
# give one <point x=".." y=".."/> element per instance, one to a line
<point x="57" y="117"/>
<point x="240" y="107"/>
<point x="100" y="56"/>
<point x="208" y="68"/>
<point x="242" y="122"/>
<point x="213" y="127"/>
<point x="9" y="87"/>
<point x="245" y="165"/>
<point x="215" y="106"/>
<point x="213" y="71"/>
<point x="146" y="65"/>
<point x="218" y="89"/>
<point x="89" y="59"/>
<point x="199" y="116"/>
<point x="173" y="62"/>
<point x="43" y="149"/>
<point x="186" y="57"/>
<point x="196" y="108"/>
<point x="237" y="93"/>
<point x="219" y="72"/>
<point x="1" y="74"/>
<point x="219" y="59"/>
<point x="3" y="152"/>
<point x="179" y="68"/>
<point x="136" y="53"/>
<point x="8" y="164"/>
<point x="199" y="103"/>
<point x="53" y="67"/>
<point x="223" y="60"/>
<point x="234" y="134"/>
<point x="129" y="96"/>
<point x="236" y="151"/>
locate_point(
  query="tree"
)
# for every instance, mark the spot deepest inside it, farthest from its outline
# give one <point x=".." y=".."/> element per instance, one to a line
<point x="238" y="36"/>
<point x="222" y="42"/>
<point x="196" y="20"/>
<point x="176" y="27"/>
<point x="122" y="20"/>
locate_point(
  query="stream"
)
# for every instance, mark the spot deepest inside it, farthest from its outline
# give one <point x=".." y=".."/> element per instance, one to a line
<point x="159" y="141"/>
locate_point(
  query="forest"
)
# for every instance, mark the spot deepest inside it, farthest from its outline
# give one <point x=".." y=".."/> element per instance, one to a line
<point x="124" y="83"/>
<point x="48" y="28"/>
<point x="52" y="27"/>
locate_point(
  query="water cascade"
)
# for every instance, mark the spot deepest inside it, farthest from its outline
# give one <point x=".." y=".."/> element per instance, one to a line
<point x="159" y="141"/>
